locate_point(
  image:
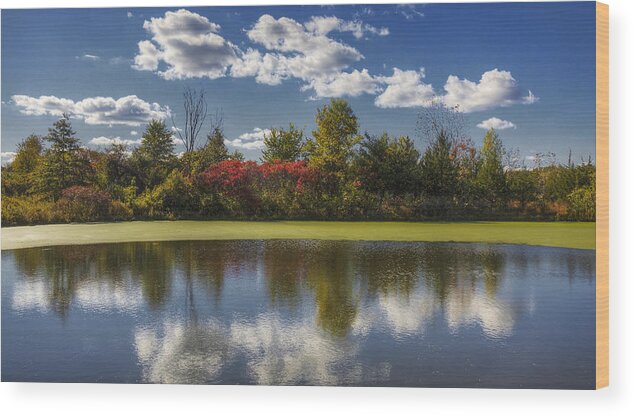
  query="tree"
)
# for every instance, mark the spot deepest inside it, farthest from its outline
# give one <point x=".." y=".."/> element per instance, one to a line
<point x="63" y="165"/>
<point x="114" y="172"/>
<point x="195" y="108"/>
<point x="438" y="168"/>
<point x="154" y="159"/>
<point x="28" y="155"/>
<point x="283" y="145"/>
<point x="214" y="151"/>
<point x="334" y="138"/>
<point x="20" y="177"/>
<point x="387" y="164"/>
<point x="490" y="177"/>
<point x="438" y="119"/>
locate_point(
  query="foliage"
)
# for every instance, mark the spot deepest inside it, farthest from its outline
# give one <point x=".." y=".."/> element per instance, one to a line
<point x="582" y="204"/>
<point x="335" y="136"/>
<point x="439" y="169"/>
<point x="28" y="210"/>
<point x="83" y="204"/>
<point x="388" y="165"/>
<point x="173" y="197"/>
<point x="490" y="177"/>
<point x="335" y="175"/>
<point x="64" y="163"/>
<point x="154" y="159"/>
<point x="283" y="145"/>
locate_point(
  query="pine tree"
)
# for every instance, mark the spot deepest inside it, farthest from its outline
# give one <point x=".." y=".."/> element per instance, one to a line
<point x="490" y="175"/>
<point x="154" y="159"/>
<point x="438" y="167"/>
<point x="63" y="165"/>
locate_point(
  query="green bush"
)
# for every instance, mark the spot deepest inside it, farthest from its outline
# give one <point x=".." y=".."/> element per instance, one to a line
<point x="173" y="198"/>
<point x="582" y="204"/>
<point x="27" y="210"/>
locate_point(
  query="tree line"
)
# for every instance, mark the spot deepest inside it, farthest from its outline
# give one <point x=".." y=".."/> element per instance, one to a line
<point x="335" y="173"/>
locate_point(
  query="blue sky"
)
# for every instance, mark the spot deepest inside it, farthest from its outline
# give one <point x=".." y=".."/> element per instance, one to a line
<point x="524" y="68"/>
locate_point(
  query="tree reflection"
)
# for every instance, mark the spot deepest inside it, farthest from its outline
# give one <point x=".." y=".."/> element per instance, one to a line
<point x="408" y="282"/>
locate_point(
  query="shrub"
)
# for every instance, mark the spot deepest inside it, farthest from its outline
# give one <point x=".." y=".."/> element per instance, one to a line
<point x="27" y="210"/>
<point x="233" y="182"/>
<point x="83" y="204"/>
<point x="582" y="204"/>
<point x="174" y="197"/>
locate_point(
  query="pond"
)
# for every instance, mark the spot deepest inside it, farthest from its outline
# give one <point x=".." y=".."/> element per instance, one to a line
<point x="300" y="313"/>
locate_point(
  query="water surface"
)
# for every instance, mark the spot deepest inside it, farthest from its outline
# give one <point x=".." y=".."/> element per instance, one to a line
<point x="300" y="313"/>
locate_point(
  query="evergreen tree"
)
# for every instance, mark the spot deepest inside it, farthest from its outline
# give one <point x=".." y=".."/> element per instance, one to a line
<point x="214" y="151"/>
<point x="438" y="168"/>
<point x="154" y="159"/>
<point x="386" y="164"/>
<point x="63" y="166"/>
<point x="490" y="177"/>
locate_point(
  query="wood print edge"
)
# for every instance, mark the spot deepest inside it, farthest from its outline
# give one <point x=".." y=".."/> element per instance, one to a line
<point x="602" y="195"/>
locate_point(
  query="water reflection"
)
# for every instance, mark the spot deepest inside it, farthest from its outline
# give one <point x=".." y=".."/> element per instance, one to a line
<point x="301" y="312"/>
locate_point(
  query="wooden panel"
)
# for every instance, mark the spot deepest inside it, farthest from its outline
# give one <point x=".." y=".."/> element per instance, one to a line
<point x="602" y="231"/>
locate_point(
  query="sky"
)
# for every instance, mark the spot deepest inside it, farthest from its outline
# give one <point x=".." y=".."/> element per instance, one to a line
<point x="525" y="69"/>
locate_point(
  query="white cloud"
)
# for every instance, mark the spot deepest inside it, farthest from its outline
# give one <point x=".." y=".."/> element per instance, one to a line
<point x="253" y="140"/>
<point x="148" y="57"/>
<point x="129" y="110"/>
<point x="134" y="132"/>
<point x="310" y="55"/>
<point x="322" y="25"/>
<point x="496" y="124"/>
<point x="409" y="11"/>
<point x="88" y="57"/>
<point x="107" y="141"/>
<point x="44" y="105"/>
<point x="405" y="89"/>
<point x="188" y="44"/>
<point x="495" y="89"/>
<point x="352" y="84"/>
<point x="7" y="156"/>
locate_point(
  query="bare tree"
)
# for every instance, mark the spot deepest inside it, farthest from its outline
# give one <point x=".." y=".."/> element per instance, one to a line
<point x="195" y="106"/>
<point x="436" y="119"/>
<point x="216" y="128"/>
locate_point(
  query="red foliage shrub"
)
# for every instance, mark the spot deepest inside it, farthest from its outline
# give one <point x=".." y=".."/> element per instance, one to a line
<point x="83" y="204"/>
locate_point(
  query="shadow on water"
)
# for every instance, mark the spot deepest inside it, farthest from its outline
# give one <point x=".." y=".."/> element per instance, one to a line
<point x="300" y="312"/>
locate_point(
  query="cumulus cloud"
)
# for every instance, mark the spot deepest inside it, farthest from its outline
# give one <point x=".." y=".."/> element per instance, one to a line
<point x="134" y="132"/>
<point x="253" y="140"/>
<point x="185" y="44"/>
<point x="309" y="56"/>
<point x="495" y="89"/>
<point x="352" y="84"/>
<point x="107" y="141"/>
<point x="405" y="89"/>
<point x="129" y="110"/>
<point x="496" y="124"/>
<point x="188" y="44"/>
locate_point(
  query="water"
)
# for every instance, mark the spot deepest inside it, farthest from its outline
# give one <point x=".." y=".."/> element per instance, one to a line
<point x="300" y="313"/>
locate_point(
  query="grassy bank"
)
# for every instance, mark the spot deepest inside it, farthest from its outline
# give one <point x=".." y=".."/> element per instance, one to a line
<point x="557" y="234"/>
